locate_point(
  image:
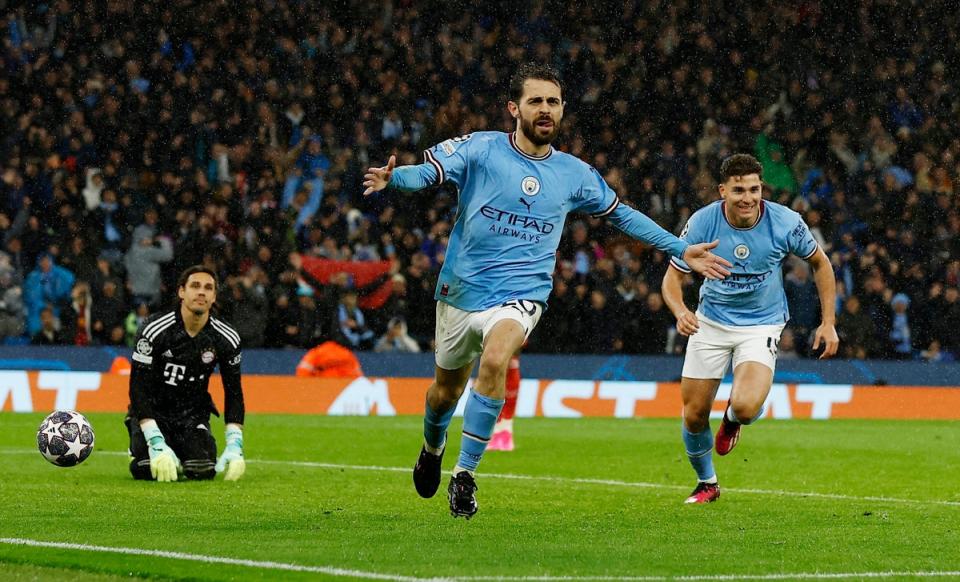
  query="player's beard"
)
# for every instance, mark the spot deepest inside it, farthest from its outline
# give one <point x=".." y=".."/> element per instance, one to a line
<point x="530" y="131"/>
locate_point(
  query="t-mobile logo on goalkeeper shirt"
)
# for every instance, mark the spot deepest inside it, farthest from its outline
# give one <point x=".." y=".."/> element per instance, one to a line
<point x="174" y="373"/>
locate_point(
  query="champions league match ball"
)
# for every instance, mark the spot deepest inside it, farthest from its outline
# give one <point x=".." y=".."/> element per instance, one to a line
<point x="65" y="438"/>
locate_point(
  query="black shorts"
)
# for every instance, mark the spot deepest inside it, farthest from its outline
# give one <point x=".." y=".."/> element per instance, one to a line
<point x="192" y="442"/>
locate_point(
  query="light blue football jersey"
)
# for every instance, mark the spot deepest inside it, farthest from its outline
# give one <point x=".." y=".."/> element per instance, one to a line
<point x="753" y="293"/>
<point x="510" y="215"/>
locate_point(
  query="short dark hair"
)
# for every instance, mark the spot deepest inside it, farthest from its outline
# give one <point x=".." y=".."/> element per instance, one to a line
<point x="740" y="165"/>
<point x="532" y="71"/>
<point x="185" y="275"/>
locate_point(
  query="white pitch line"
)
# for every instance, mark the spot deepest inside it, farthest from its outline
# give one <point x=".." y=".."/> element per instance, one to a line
<point x="581" y="481"/>
<point x="716" y="577"/>
<point x="329" y="570"/>
<point x="332" y="571"/>
<point x="617" y="483"/>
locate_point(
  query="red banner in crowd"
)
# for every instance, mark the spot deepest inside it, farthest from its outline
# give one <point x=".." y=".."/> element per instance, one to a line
<point x="45" y="391"/>
<point x="363" y="273"/>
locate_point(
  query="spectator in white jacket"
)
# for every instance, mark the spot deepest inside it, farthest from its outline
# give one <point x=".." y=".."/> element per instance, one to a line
<point x="143" y="262"/>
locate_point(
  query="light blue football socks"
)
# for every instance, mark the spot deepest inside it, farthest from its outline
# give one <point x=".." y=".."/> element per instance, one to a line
<point x="479" y="418"/>
<point x="700" y="452"/>
<point x="435" y="427"/>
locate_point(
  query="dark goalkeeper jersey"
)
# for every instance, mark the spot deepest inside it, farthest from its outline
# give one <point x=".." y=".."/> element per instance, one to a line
<point x="171" y="370"/>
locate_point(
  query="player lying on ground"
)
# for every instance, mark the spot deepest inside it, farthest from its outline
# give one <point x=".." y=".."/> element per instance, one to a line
<point x="741" y="317"/>
<point x="515" y="192"/>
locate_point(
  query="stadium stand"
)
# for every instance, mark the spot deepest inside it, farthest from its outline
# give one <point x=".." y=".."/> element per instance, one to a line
<point x="234" y="134"/>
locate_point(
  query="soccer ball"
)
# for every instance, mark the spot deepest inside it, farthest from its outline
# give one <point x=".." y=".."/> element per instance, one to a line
<point x="65" y="438"/>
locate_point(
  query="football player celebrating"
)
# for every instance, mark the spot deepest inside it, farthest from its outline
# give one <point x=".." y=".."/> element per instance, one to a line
<point x="169" y="415"/>
<point x="515" y="191"/>
<point x="741" y="317"/>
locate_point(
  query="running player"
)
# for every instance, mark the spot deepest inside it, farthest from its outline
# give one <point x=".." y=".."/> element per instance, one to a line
<point x="515" y="191"/>
<point x="740" y="318"/>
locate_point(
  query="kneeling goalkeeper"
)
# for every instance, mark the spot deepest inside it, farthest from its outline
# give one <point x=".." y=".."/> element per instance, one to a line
<point x="170" y="405"/>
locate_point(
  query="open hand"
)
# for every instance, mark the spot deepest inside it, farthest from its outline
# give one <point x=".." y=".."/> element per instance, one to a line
<point x="376" y="179"/>
<point x="699" y="258"/>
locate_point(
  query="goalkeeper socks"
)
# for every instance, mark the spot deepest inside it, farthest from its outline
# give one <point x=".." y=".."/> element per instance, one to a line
<point x="699" y="448"/>
<point x="479" y="417"/>
<point x="512" y="390"/>
<point x="435" y="428"/>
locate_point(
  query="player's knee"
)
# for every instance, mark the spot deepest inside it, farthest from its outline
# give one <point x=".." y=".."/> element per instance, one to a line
<point x="497" y="355"/>
<point x="199" y="469"/>
<point x="493" y="366"/>
<point x="696" y="417"/>
<point x="140" y="469"/>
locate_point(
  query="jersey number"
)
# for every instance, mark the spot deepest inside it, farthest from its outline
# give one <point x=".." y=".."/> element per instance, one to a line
<point x="523" y="306"/>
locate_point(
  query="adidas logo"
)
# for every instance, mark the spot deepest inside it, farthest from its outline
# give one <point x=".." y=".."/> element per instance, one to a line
<point x="168" y="354"/>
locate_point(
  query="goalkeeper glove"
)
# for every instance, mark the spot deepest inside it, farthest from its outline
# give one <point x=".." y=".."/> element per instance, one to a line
<point x="164" y="463"/>
<point x="231" y="462"/>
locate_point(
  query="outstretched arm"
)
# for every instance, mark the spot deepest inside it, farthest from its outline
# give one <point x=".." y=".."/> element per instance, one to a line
<point x="404" y="178"/>
<point x="698" y="257"/>
<point x="642" y="227"/>
<point x="827" y="290"/>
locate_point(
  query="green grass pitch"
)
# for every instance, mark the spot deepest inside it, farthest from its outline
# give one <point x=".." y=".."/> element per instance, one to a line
<point x="578" y="499"/>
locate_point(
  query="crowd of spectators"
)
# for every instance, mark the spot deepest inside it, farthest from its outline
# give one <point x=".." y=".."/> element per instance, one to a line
<point x="137" y="139"/>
